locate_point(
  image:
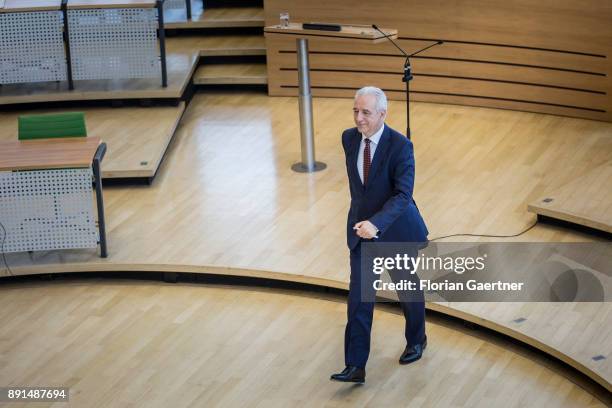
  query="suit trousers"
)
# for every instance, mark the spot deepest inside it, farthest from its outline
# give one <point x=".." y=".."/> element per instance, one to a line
<point x="360" y="310"/>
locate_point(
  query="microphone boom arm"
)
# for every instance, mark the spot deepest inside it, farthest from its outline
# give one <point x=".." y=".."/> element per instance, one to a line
<point x="407" y="71"/>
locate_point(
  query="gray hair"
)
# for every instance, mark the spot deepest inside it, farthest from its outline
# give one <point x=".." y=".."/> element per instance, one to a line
<point x="381" y="98"/>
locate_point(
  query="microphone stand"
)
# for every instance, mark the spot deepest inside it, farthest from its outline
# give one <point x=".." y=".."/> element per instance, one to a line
<point x="407" y="72"/>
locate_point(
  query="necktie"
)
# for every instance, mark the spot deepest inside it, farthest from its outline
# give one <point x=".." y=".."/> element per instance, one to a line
<point x="366" y="161"/>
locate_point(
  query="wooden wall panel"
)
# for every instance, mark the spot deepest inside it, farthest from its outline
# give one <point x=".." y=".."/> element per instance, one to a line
<point x="588" y="63"/>
<point x="499" y="103"/>
<point x="455" y="86"/>
<point x="453" y="68"/>
<point x="552" y="57"/>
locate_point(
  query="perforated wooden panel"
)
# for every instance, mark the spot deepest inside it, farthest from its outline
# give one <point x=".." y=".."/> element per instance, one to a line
<point x="47" y="209"/>
<point x="114" y="43"/>
<point x="31" y="47"/>
<point x="175" y="5"/>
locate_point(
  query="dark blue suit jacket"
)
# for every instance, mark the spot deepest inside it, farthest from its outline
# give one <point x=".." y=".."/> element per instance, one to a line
<point x="386" y="200"/>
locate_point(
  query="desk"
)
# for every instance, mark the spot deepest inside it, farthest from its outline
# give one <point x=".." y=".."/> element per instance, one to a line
<point x="57" y="40"/>
<point x="114" y="39"/>
<point x="46" y="194"/>
<point x="31" y="43"/>
<point x="357" y="32"/>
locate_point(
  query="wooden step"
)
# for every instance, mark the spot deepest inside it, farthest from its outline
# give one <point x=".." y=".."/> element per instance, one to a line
<point x="231" y="74"/>
<point x="220" y="18"/>
<point x="585" y="201"/>
<point x="218" y="45"/>
<point x="137" y="137"/>
<point x="182" y="59"/>
<point x="229" y="45"/>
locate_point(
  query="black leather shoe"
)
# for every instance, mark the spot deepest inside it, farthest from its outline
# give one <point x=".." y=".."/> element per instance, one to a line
<point x="350" y="374"/>
<point x="413" y="353"/>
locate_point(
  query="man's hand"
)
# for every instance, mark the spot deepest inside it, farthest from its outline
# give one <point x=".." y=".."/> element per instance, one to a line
<point x="365" y="229"/>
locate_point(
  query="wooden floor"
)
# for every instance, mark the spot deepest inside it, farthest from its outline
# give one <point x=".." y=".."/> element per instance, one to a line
<point x="215" y="208"/>
<point x="136" y="137"/>
<point x="143" y="344"/>
<point x="587" y="200"/>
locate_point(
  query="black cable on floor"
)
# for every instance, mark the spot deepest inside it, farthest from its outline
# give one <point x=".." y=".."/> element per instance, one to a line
<point x="485" y="235"/>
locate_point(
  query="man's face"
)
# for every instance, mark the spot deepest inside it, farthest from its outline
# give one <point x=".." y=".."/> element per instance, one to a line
<point x="367" y="119"/>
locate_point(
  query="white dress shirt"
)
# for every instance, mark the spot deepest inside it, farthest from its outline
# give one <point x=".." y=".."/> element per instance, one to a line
<point x="374" y="140"/>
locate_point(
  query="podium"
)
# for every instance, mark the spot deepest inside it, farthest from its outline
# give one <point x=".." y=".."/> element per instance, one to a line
<point x="348" y="32"/>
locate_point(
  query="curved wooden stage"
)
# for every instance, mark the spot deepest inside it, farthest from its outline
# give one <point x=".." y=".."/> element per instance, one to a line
<point x="214" y="208"/>
<point x="137" y="343"/>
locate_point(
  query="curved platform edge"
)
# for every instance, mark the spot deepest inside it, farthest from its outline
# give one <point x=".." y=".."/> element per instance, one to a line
<point x="439" y="307"/>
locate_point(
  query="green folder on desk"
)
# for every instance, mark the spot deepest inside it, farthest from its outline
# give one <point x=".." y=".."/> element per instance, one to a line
<point x="53" y="125"/>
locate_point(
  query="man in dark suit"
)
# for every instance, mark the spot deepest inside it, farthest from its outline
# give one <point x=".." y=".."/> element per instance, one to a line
<point x="380" y="167"/>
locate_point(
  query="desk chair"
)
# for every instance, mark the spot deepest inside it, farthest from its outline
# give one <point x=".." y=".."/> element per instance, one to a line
<point x="62" y="125"/>
<point x="53" y="125"/>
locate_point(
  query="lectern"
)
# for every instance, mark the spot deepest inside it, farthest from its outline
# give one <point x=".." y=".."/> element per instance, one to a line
<point x="348" y="32"/>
